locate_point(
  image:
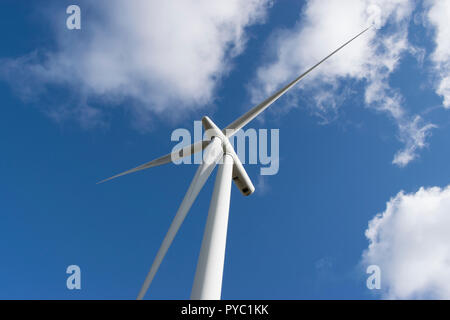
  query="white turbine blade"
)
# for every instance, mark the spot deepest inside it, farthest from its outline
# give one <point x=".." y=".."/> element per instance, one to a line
<point x="212" y="155"/>
<point x="239" y="123"/>
<point x="184" y="152"/>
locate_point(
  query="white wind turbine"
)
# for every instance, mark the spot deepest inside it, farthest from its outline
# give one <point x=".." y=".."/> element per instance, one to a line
<point x="208" y="277"/>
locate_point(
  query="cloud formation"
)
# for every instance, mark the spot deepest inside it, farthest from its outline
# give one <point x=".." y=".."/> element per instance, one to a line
<point x="160" y="56"/>
<point x="410" y="242"/>
<point x="371" y="59"/>
<point x="414" y="135"/>
<point x="438" y="16"/>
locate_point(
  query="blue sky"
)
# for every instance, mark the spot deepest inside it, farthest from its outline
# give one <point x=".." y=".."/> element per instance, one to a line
<point x="81" y="105"/>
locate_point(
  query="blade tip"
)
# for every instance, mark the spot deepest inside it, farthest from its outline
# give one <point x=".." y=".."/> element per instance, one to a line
<point x="103" y="181"/>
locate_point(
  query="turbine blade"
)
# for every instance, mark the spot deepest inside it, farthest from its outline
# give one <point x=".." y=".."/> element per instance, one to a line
<point x="211" y="156"/>
<point x="184" y="152"/>
<point x="239" y="123"/>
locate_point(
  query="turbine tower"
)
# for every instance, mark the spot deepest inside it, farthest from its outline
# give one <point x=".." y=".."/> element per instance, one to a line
<point x="216" y="150"/>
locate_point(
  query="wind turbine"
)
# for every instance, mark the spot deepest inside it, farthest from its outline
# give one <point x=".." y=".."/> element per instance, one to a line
<point x="216" y="150"/>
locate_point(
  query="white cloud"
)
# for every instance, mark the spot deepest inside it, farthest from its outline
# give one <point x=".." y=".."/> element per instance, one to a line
<point x="372" y="58"/>
<point x="410" y="242"/>
<point x="413" y="134"/>
<point x="439" y="16"/>
<point x="166" y="56"/>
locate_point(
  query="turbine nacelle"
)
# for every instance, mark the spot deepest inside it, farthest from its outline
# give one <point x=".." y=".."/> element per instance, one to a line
<point x="240" y="176"/>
